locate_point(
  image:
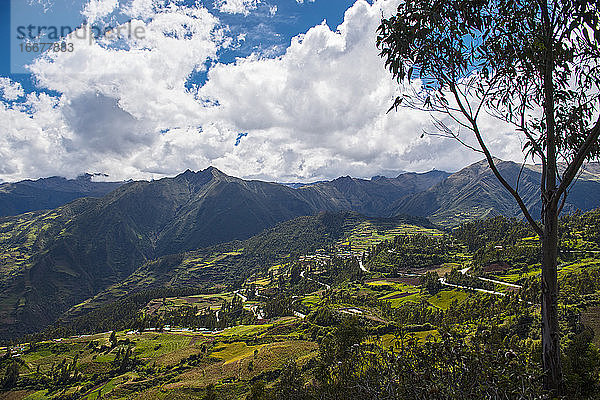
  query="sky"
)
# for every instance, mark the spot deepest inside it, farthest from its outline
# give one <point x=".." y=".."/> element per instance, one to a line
<point x="280" y="90"/>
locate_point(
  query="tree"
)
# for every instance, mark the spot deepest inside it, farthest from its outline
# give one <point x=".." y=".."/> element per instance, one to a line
<point x="211" y="393"/>
<point x="11" y="375"/>
<point x="430" y="281"/>
<point x="258" y="391"/>
<point x="532" y="64"/>
<point x="291" y="383"/>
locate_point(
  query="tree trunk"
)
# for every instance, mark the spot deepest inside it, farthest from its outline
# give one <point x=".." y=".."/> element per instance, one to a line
<point x="550" y="327"/>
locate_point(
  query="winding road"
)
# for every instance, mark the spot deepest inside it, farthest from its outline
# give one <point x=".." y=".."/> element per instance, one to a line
<point x="464" y="272"/>
<point x="303" y="275"/>
<point x="443" y="282"/>
<point x="362" y="267"/>
<point x="244" y="298"/>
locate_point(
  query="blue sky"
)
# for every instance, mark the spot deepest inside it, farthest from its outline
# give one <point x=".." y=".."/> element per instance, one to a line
<point x="260" y="89"/>
<point x="291" y="18"/>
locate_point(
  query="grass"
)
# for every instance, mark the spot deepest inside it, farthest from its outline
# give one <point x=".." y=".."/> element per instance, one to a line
<point x="246" y="330"/>
<point x="394" y="289"/>
<point x="153" y="346"/>
<point x="110" y="386"/>
<point x="312" y="301"/>
<point x="50" y="353"/>
<point x="427" y="335"/>
<point x="39" y="395"/>
<point x="388" y="339"/>
<point x="585" y="263"/>
<point x="414" y="298"/>
<point x="446" y="268"/>
<point x="368" y="234"/>
<point x="513" y="277"/>
<point x="396" y="285"/>
<point x="235" y="351"/>
<point x="238" y="362"/>
<point x="444" y="298"/>
<point x="261" y="282"/>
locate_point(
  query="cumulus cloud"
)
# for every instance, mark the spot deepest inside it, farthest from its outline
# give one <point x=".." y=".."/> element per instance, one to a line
<point x="98" y="9"/>
<point x="11" y="90"/>
<point x="31" y="143"/>
<point x="142" y="9"/>
<point x="118" y="100"/>
<point x="118" y="97"/>
<point x="237" y="6"/>
<point x="317" y="111"/>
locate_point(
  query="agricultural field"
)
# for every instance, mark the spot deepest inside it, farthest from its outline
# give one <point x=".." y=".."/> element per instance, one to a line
<point x="165" y="362"/>
<point x="287" y="320"/>
<point x="369" y="233"/>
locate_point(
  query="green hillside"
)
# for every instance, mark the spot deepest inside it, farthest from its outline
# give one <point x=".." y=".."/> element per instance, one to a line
<point x="474" y="193"/>
<point x="307" y="322"/>
<point x="55" y="260"/>
<point x="230" y="264"/>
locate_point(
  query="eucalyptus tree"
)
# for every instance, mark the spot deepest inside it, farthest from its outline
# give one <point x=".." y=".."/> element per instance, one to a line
<point x="532" y="64"/>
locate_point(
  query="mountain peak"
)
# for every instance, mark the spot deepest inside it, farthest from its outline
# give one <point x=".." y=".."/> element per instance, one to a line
<point x="87" y="177"/>
<point x="204" y="176"/>
<point x="214" y="171"/>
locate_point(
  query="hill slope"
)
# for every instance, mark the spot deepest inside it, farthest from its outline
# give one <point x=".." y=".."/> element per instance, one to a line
<point x="54" y="260"/>
<point x="474" y="192"/>
<point x="231" y="262"/>
<point x="48" y="193"/>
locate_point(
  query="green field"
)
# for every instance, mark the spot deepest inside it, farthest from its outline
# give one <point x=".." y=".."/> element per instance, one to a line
<point x="275" y="315"/>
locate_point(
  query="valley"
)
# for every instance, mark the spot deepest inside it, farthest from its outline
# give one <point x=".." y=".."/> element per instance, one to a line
<point x="93" y="248"/>
<point x="209" y="286"/>
<point x="303" y="317"/>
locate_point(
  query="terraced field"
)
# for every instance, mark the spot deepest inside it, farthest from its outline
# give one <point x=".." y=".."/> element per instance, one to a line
<point x="369" y="233"/>
<point x="182" y="361"/>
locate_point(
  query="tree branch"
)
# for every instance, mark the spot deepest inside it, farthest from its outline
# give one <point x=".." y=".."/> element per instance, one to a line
<point x="536" y="227"/>
<point x="519" y="177"/>
<point x="578" y="160"/>
<point x="449" y="134"/>
<point x="562" y="203"/>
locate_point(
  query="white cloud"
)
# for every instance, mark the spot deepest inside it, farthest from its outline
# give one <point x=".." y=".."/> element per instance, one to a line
<point x="147" y="80"/>
<point x="116" y="101"/>
<point x="31" y="141"/>
<point x="237" y="6"/>
<point x="317" y="111"/>
<point x="142" y="9"/>
<point x="11" y="90"/>
<point x="95" y="10"/>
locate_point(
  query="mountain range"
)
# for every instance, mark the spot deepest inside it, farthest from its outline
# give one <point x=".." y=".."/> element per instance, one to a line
<point x="52" y="260"/>
<point x="55" y="259"/>
<point x="474" y="192"/>
<point x="47" y="193"/>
